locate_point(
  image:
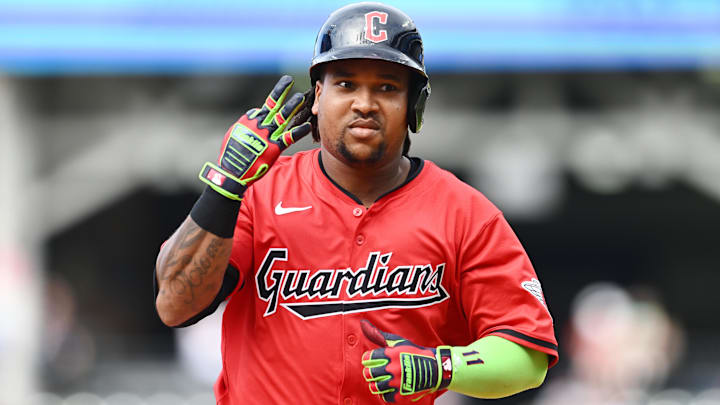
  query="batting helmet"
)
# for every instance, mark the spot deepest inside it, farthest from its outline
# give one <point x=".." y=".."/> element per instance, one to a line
<point x="375" y="31"/>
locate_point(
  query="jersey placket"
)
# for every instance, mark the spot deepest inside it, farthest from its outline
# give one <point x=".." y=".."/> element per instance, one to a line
<point x="351" y="332"/>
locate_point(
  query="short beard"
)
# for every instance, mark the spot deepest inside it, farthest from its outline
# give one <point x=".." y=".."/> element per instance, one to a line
<point x="376" y="156"/>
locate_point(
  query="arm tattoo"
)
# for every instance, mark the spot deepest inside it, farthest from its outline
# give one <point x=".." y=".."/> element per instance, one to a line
<point x="188" y="234"/>
<point x="187" y="265"/>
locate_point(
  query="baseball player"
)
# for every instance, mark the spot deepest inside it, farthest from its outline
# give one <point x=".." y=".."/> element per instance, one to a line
<point x="354" y="273"/>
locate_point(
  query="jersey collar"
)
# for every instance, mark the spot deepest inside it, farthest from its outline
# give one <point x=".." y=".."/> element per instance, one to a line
<point x="416" y="166"/>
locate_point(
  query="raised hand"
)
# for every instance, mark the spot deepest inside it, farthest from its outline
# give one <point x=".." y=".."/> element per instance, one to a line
<point x="255" y="141"/>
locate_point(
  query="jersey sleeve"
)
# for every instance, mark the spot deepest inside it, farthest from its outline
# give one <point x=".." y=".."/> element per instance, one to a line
<point x="500" y="292"/>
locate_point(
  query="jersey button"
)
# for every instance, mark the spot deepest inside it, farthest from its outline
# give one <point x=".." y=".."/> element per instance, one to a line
<point x="357" y="211"/>
<point x="352" y="339"/>
<point x="360" y="239"/>
<point x="347" y="401"/>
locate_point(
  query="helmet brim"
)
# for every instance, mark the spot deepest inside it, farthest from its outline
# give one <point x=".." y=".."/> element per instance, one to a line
<point x="367" y="52"/>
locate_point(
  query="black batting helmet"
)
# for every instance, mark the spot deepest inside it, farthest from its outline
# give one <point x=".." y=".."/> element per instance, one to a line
<point x="375" y="31"/>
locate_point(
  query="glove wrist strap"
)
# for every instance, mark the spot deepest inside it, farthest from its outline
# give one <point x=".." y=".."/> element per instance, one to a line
<point x="446" y="367"/>
<point x="221" y="181"/>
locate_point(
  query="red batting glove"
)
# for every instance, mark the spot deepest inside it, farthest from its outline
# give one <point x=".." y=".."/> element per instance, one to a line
<point x="255" y="141"/>
<point x="400" y="365"/>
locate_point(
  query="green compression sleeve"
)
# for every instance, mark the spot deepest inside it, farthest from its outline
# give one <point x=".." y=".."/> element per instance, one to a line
<point x="493" y="367"/>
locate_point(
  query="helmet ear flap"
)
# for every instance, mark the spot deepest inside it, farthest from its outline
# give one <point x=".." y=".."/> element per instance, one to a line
<point x="416" y="105"/>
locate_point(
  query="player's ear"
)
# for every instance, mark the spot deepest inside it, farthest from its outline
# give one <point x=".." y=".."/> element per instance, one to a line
<point x="318" y="91"/>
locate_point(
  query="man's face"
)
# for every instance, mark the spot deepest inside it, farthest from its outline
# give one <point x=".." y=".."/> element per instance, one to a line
<point x="361" y="105"/>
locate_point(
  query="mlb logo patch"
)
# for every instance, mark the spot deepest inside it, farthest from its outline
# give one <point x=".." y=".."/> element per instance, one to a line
<point x="533" y="287"/>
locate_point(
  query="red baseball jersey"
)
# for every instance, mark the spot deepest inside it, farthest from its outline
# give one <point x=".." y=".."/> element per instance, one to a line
<point x="433" y="261"/>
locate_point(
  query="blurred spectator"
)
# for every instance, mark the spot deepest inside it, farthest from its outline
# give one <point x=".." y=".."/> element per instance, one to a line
<point x="68" y="348"/>
<point x="621" y="349"/>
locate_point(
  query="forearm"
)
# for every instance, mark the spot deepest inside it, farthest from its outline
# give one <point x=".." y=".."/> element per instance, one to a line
<point x="191" y="266"/>
<point x="505" y="368"/>
<point x="189" y="271"/>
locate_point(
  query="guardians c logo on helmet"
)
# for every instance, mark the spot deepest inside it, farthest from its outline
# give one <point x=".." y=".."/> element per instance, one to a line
<point x="372" y="32"/>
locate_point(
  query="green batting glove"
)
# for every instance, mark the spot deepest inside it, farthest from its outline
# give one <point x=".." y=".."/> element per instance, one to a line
<point x="400" y="365"/>
<point x="255" y="141"/>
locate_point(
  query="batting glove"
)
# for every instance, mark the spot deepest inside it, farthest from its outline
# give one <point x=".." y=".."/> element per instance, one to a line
<point x="400" y="365"/>
<point x="255" y="141"/>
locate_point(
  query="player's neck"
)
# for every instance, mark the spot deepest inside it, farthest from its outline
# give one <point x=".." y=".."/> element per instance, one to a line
<point x="367" y="183"/>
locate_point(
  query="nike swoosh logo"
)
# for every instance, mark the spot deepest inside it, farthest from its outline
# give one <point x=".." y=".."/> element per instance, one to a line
<point x="280" y="210"/>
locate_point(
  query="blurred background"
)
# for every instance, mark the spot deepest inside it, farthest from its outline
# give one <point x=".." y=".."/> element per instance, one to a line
<point x="594" y="125"/>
